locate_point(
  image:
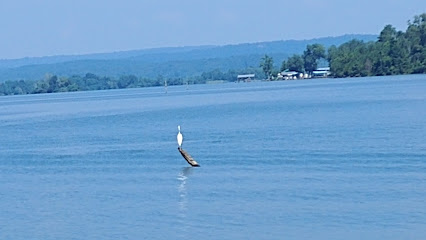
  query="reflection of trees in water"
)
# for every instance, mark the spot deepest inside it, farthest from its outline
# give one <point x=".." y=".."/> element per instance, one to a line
<point x="183" y="201"/>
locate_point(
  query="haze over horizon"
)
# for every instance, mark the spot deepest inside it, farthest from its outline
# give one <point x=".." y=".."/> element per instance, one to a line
<point x="49" y="27"/>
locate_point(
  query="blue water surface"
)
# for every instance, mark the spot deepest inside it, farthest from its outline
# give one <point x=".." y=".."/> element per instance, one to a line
<point x="312" y="159"/>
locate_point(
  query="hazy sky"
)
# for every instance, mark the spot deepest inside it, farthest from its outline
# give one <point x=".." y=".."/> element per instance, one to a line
<point x="55" y="27"/>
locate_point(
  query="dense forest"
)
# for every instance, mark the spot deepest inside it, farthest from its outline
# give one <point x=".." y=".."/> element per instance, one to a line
<point x="394" y="52"/>
<point x="90" y="81"/>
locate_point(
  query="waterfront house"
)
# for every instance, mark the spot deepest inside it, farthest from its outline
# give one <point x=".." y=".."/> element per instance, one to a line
<point x="321" y="72"/>
<point x="288" y="75"/>
<point x="245" y="77"/>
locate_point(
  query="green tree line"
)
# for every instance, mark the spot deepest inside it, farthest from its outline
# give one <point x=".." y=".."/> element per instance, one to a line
<point x="395" y="52"/>
<point x="307" y="62"/>
<point x="53" y="83"/>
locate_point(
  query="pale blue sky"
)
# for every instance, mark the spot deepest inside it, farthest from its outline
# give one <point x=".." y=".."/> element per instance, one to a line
<point x="31" y="28"/>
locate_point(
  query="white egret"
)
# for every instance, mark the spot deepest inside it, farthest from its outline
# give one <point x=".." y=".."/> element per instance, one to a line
<point x="179" y="138"/>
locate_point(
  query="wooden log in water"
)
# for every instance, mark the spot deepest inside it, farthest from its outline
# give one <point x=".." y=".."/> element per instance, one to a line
<point x="188" y="158"/>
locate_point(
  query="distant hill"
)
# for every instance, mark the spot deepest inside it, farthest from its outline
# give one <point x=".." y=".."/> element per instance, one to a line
<point x="167" y="62"/>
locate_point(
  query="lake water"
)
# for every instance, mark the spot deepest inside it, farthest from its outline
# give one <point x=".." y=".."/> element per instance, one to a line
<point x="313" y="159"/>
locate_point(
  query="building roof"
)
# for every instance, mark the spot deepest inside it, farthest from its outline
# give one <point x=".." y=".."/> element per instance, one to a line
<point x="289" y="73"/>
<point x="245" y="76"/>
<point x="323" y="69"/>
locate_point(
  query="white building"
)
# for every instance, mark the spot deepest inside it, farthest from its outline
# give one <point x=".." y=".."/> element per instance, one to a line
<point x="245" y="77"/>
<point x="321" y="72"/>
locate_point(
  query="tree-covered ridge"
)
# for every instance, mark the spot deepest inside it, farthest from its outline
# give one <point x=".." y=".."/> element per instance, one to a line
<point x="395" y="52"/>
<point x="175" y="62"/>
<point x="90" y="81"/>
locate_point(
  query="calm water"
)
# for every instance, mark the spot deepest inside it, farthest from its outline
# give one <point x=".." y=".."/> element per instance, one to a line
<point x="315" y="159"/>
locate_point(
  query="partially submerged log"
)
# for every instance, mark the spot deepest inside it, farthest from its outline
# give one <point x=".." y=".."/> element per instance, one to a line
<point x="188" y="157"/>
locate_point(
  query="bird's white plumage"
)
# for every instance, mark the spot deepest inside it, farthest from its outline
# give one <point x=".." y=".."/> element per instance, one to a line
<point x="179" y="137"/>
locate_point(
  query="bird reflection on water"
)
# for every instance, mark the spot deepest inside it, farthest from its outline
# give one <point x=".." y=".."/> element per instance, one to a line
<point x="183" y="201"/>
<point x="183" y="176"/>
